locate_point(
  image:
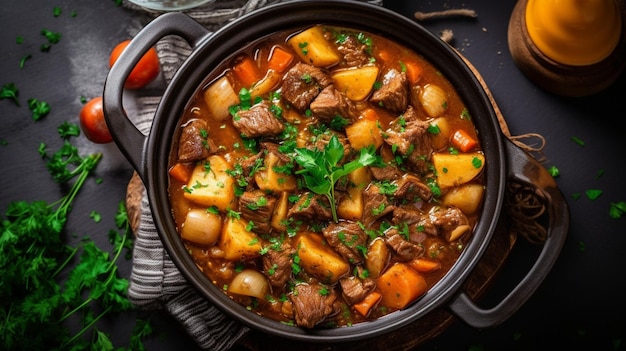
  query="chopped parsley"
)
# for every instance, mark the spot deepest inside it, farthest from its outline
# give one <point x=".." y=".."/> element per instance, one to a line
<point x="617" y="209"/>
<point x="578" y="141"/>
<point x="38" y="108"/>
<point x="554" y="172"/>
<point x="10" y="91"/>
<point x="593" y="194"/>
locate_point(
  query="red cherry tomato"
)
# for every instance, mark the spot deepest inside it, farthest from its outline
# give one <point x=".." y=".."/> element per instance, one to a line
<point x="92" y="122"/>
<point x="146" y="70"/>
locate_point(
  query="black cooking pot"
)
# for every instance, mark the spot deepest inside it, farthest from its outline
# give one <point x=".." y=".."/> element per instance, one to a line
<point x="505" y="163"/>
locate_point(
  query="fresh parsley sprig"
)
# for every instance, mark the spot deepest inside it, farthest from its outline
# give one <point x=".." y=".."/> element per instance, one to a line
<point x="321" y="169"/>
<point x="46" y="282"/>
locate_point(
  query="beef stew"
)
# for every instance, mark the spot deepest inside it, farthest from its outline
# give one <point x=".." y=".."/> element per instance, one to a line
<point x="326" y="176"/>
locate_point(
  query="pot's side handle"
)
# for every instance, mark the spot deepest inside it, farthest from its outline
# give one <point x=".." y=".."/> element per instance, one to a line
<point x="523" y="169"/>
<point x="127" y="136"/>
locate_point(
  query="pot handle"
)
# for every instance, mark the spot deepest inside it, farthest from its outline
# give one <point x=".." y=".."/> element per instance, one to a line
<point x="126" y="135"/>
<point x="524" y="170"/>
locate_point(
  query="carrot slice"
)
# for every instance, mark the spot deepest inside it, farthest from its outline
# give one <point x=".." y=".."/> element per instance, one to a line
<point x="365" y="305"/>
<point x="384" y="55"/>
<point x="279" y="59"/>
<point x="463" y="141"/>
<point x="400" y="285"/>
<point x="370" y="114"/>
<point x="247" y="71"/>
<point x="424" y="265"/>
<point x="180" y="172"/>
<point x="413" y="72"/>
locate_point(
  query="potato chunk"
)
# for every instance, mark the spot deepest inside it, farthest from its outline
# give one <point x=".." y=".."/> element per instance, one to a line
<point x="356" y="83"/>
<point x="211" y="185"/>
<point x="466" y="197"/>
<point x="313" y="48"/>
<point x="269" y="179"/>
<point x="377" y="257"/>
<point x="279" y="216"/>
<point x="363" y="133"/>
<point x="238" y="242"/>
<point x="454" y="170"/>
<point x="351" y="206"/>
<point x="320" y="260"/>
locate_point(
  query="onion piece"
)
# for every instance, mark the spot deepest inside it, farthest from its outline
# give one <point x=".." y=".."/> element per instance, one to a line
<point x="219" y="97"/>
<point x="433" y="99"/>
<point x="250" y="283"/>
<point x="201" y="227"/>
<point x="457" y="232"/>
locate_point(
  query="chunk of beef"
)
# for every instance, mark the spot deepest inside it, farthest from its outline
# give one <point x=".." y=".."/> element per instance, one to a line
<point x="311" y="207"/>
<point x="258" y="121"/>
<point x="404" y="249"/>
<point x="346" y="238"/>
<point x="331" y="103"/>
<point x="410" y="135"/>
<point x="443" y="221"/>
<point x="311" y="306"/>
<point x="251" y="163"/>
<point x="403" y="215"/>
<point x="411" y="218"/>
<point x="277" y="265"/>
<point x="355" y="289"/>
<point x="194" y="144"/>
<point x="376" y="204"/>
<point x="388" y="172"/>
<point x="269" y="147"/>
<point x="322" y="140"/>
<point x="354" y="52"/>
<point x="394" y="93"/>
<point x="257" y="206"/>
<point x="410" y="188"/>
<point x="302" y="83"/>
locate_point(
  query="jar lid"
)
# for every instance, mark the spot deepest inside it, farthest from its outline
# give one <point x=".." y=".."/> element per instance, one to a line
<point x="574" y="32"/>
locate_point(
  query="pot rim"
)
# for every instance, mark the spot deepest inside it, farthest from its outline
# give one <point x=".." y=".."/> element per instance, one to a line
<point x="215" y="48"/>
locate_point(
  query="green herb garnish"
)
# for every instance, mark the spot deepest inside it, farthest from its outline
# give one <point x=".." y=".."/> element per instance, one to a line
<point x="554" y="171"/>
<point x="617" y="209"/>
<point x="593" y="194"/>
<point x="38" y="108"/>
<point x="10" y="91"/>
<point x="578" y="141"/>
<point x="321" y="168"/>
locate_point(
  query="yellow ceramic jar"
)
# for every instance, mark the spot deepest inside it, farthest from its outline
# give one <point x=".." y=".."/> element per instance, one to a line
<point x="574" y="32"/>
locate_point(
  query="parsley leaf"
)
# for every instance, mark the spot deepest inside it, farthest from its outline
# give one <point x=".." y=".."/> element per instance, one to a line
<point x="53" y="37"/>
<point x="46" y="282"/>
<point x="10" y="91"/>
<point x="593" y="194"/>
<point x="67" y="130"/>
<point x="578" y="141"/>
<point x="321" y="168"/>
<point x="38" y="108"/>
<point x="554" y="171"/>
<point x="617" y="209"/>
